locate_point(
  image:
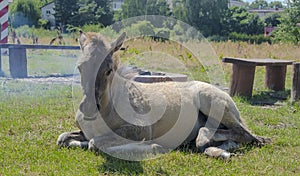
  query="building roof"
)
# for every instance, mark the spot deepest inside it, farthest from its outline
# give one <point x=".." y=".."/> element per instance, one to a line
<point x="47" y="4"/>
<point x="265" y="10"/>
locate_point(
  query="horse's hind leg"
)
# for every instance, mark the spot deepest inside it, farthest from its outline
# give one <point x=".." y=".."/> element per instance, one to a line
<point x="72" y="139"/>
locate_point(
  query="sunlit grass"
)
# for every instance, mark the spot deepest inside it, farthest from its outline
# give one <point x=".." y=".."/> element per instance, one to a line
<point x="33" y="115"/>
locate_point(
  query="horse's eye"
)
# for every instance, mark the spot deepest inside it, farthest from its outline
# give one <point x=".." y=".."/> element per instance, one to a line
<point x="109" y="72"/>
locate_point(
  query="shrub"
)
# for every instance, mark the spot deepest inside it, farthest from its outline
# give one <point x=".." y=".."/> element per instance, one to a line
<point x="92" y="27"/>
<point x="141" y="28"/>
<point x="258" y="39"/>
<point x="27" y="32"/>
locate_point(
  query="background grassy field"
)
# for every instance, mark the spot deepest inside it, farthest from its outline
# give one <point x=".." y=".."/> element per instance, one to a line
<point x="33" y="115"/>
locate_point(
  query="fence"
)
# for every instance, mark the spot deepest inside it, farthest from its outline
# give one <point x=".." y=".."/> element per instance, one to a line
<point x="18" y="57"/>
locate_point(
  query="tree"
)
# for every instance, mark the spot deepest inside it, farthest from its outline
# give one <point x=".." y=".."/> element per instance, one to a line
<point x="86" y="13"/>
<point x="66" y="12"/>
<point x="24" y="12"/>
<point x="288" y="30"/>
<point x="207" y="15"/>
<point x="239" y="20"/>
<point x="104" y="12"/>
<point x="132" y="8"/>
<point x="276" y="4"/>
<point x="157" y="7"/>
<point x="95" y="12"/>
<point x="179" y="10"/>
<point x="259" y="4"/>
<point x="273" y="20"/>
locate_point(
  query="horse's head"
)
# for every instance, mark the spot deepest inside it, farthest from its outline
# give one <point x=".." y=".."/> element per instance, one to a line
<point x="96" y="68"/>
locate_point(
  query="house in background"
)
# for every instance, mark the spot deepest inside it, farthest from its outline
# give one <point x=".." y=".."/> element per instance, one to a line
<point x="232" y="3"/>
<point x="48" y="12"/>
<point x="117" y="4"/>
<point x="264" y="12"/>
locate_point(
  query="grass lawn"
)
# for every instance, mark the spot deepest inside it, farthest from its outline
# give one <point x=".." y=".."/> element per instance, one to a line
<point x="33" y="115"/>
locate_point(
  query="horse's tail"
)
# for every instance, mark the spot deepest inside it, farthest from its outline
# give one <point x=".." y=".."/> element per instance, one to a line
<point x="260" y="140"/>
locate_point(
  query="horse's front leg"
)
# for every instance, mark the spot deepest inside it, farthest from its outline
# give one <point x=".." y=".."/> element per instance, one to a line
<point x="119" y="146"/>
<point x="72" y="139"/>
<point x="216" y="142"/>
<point x="127" y="139"/>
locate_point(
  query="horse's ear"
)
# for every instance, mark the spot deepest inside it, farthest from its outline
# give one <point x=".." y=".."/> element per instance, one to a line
<point x="117" y="44"/>
<point x="82" y="38"/>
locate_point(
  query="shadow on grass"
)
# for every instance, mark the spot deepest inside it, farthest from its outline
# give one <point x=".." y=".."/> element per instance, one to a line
<point x="117" y="166"/>
<point x="114" y="165"/>
<point x="2" y="74"/>
<point x="265" y="98"/>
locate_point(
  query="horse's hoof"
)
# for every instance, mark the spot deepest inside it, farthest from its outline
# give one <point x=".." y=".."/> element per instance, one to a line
<point x="91" y="145"/>
<point x="61" y="140"/>
<point x="217" y="153"/>
<point x="225" y="155"/>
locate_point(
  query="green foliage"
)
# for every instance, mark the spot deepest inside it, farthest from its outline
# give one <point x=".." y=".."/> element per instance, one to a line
<point x="276" y="4"/>
<point x="180" y="10"/>
<point x="207" y="15"/>
<point x="66" y="12"/>
<point x="273" y="20"/>
<point x="104" y="12"/>
<point x="263" y="4"/>
<point x="239" y="20"/>
<point x="109" y="32"/>
<point x="24" y="12"/>
<point x="140" y="29"/>
<point x="132" y="8"/>
<point x="288" y="31"/>
<point x="117" y="16"/>
<point x="259" y="4"/>
<point x="44" y="24"/>
<point x="257" y="39"/>
<point x="157" y="7"/>
<point x="92" y="27"/>
<point x="27" y="32"/>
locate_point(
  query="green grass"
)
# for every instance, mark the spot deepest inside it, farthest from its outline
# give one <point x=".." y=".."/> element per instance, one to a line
<point x="33" y="115"/>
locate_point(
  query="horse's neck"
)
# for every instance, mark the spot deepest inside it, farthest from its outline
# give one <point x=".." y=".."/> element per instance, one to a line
<point x="123" y="93"/>
<point x="118" y="87"/>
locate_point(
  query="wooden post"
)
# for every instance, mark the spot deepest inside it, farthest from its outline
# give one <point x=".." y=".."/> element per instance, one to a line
<point x="1" y="72"/>
<point x="295" y="92"/>
<point x="242" y="79"/>
<point x="275" y="77"/>
<point x="18" y="62"/>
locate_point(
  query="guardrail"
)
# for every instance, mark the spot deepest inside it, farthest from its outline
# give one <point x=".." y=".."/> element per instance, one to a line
<point x="18" y="57"/>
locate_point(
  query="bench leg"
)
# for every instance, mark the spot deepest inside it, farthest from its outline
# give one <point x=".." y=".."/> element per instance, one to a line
<point x="295" y="93"/>
<point x="18" y="62"/>
<point x="1" y="62"/>
<point x="275" y="77"/>
<point x="242" y="79"/>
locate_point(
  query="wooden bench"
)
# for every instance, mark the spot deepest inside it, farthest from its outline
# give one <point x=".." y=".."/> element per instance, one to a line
<point x="18" y="57"/>
<point x="243" y="72"/>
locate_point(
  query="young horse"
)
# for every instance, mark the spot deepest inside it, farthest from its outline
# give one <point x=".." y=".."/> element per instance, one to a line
<point x="118" y="115"/>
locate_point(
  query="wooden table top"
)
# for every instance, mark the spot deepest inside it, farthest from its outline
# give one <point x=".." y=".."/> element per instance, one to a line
<point x="258" y="62"/>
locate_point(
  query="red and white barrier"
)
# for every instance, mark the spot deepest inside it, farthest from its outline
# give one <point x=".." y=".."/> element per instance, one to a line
<point x="4" y="20"/>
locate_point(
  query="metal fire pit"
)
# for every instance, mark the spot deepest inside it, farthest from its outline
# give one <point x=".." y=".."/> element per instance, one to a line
<point x="152" y="77"/>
